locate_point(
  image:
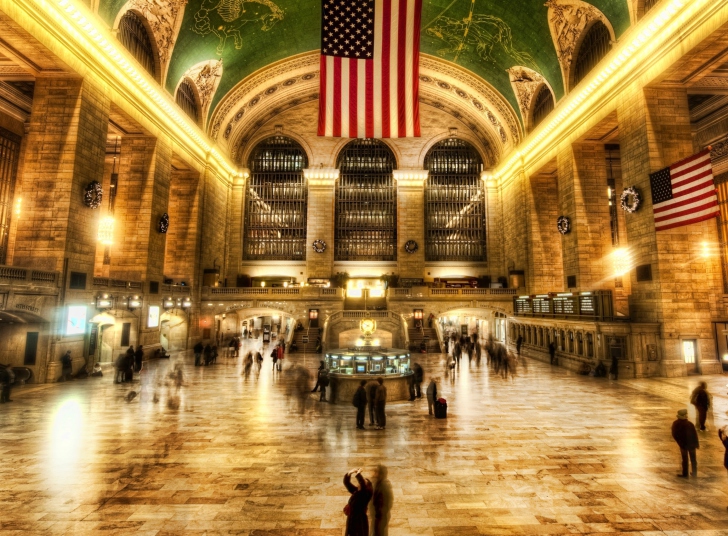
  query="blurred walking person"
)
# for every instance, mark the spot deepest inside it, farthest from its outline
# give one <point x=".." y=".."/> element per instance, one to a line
<point x="701" y="399"/>
<point x="723" y="436"/>
<point x="380" y="509"/>
<point x="431" y="394"/>
<point x="360" y="403"/>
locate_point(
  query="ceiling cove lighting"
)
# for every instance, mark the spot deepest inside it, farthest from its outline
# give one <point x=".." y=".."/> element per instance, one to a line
<point x="102" y="45"/>
<point x="614" y="72"/>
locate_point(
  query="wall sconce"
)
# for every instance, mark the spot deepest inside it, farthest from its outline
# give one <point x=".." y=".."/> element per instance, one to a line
<point x="418" y="314"/>
<point x="104" y="301"/>
<point x="186" y="304"/>
<point x="106" y="230"/>
<point x="134" y="302"/>
<point x="168" y="303"/>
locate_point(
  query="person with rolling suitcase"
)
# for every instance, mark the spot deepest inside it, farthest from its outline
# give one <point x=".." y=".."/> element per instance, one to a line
<point x="441" y="408"/>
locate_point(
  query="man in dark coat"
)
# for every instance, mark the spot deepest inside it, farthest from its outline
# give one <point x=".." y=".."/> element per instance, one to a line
<point x="519" y="342"/>
<point x="701" y="400"/>
<point x="360" y="402"/>
<point x="381" y="402"/>
<point x="198" y="353"/>
<point x="371" y="398"/>
<point x="7" y="379"/>
<point x="66" y="366"/>
<point x="552" y="351"/>
<point x="318" y="377"/>
<point x="357" y="522"/>
<point x="139" y="357"/>
<point x="685" y="435"/>
<point x="419" y="376"/>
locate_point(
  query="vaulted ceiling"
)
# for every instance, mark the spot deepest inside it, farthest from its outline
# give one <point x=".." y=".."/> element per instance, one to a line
<point x="486" y="37"/>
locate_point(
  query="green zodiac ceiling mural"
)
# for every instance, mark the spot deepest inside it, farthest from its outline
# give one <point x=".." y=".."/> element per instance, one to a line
<point x="486" y="37"/>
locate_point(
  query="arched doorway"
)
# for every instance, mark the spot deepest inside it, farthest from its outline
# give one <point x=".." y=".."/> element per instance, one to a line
<point x="173" y="327"/>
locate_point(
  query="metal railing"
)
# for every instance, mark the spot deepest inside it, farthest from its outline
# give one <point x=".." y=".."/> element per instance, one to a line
<point x="430" y="292"/>
<point x="292" y="292"/>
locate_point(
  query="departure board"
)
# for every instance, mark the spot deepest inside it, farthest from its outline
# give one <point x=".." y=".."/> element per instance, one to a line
<point x="587" y="305"/>
<point x="541" y="305"/>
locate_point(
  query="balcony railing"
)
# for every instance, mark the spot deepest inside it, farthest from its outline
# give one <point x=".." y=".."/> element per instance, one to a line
<point x="13" y="274"/>
<point x="447" y="292"/>
<point x="289" y="292"/>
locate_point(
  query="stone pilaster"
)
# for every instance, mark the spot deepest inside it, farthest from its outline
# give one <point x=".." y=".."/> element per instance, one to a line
<point x="65" y="149"/>
<point x="142" y="198"/>
<point x="410" y="221"/>
<point x="516" y="214"/>
<point x="654" y="132"/>
<point x="320" y="220"/>
<point x="182" y="248"/>
<point x="583" y="199"/>
<point x="494" y="227"/>
<point x="236" y="225"/>
<point x="546" y="270"/>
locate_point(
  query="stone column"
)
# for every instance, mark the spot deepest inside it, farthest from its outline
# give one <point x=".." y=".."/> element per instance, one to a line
<point x="654" y="132"/>
<point x="583" y="199"/>
<point x="516" y="214"/>
<point x="182" y="248"/>
<point x="410" y="221"/>
<point x="494" y="227"/>
<point x="546" y="269"/>
<point x="65" y="149"/>
<point x="142" y="198"/>
<point x="236" y="224"/>
<point x="320" y="220"/>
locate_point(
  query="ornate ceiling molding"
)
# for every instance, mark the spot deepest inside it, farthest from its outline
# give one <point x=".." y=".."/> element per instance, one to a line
<point x="482" y="97"/>
<point x="232" y="108"/>
<point x="525" y="83"/>
<point x="567" y="21"/>
<point x="206" y="76"/>
<point x="165" y="19"/>
<point x="270" y="91"/>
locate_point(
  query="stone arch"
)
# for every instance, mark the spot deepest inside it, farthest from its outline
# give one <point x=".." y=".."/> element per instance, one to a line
<point x="270" y="132"/>
<point x="205" y="76"/>
<point x="196" y="95"/>
<point x="592" y="26"/>
<point x="163" y="19"/>
<point x="532" y="123"/>
<point x="344" y="142"/>
<point x="466" y="136"/>
<point x="569" y="21"/>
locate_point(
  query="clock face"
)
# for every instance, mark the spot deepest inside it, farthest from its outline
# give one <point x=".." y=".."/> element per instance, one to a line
<point x="367" y="326"/>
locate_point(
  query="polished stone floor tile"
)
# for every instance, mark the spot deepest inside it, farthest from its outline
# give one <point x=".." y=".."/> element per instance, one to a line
<point x="545" y="453"/>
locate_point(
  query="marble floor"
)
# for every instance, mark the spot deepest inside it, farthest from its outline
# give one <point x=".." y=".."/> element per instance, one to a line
<point x="548" y="452"/>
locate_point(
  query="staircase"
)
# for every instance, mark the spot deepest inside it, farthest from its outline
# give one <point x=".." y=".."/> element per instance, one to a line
<point x="310" y="335"/>
<point x="416" y="335"/>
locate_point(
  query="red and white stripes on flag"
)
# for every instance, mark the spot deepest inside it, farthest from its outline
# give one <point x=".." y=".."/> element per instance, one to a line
<point x="684" y="193"/>
<point x="370" y="69"/>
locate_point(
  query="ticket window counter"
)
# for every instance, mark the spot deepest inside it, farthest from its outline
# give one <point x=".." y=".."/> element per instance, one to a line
<point x="368" y="364"/>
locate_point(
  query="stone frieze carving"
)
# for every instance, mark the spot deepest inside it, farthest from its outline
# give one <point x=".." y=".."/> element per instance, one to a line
<point x="237" y="94"/>
<point x="525" y="83"/>
<point x="498" y="102"/>
<point x="206" y="76"/>
<point x="165" y="19"/>
<point x="567" y="20"/>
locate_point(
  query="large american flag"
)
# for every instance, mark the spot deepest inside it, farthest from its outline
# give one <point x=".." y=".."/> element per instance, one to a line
<point x="684" y="193"/>
<point x="370" y="68"/>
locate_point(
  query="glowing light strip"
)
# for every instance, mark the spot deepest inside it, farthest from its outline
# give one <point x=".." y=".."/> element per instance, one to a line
<point x="104" y="43"/>
<point x="576" y="105"/>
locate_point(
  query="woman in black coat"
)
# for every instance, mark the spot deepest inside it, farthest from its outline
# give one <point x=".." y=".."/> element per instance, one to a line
<point x="357" y="523"/>
<point x="723" y="436"/>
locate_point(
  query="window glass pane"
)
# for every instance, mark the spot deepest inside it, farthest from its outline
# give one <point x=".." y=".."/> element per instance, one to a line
<point x="454" y="203"/>
<point x="276" y="202"/>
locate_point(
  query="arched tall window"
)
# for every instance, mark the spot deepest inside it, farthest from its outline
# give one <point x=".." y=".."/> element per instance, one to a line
<point x="134" y="36"/>
<point x="454" y="203"/>
<point x="9" y="155"/>
<point x="595" y="45"/>
<point x="366" y="203"/>
<point x="186" y="98"/>
<point x="543" y="104"/>
<point x="275" y="211"/>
